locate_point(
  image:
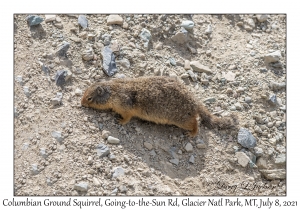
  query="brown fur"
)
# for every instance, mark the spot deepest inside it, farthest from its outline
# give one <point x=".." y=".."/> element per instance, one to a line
<point x="162" y="100"/>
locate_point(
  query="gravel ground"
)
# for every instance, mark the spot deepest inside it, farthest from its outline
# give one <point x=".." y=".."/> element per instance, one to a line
<point x="232" y="63"/>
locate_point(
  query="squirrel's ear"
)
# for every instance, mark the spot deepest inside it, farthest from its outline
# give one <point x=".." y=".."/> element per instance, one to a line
<point x="99" y="90"/>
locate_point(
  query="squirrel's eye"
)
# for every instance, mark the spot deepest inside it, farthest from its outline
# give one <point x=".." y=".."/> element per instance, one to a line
<point x="90" y="98"/>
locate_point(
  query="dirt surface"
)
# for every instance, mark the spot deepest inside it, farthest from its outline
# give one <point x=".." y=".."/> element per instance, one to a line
<point x="150" y="159"/>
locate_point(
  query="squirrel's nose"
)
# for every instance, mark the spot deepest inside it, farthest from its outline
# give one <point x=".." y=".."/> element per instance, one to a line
<point x="83" y="102"/>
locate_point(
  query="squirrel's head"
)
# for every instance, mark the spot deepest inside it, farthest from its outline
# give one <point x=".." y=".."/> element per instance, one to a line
<point x="96" y="94"/>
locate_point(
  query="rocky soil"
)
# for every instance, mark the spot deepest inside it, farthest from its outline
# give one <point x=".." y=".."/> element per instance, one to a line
<point x="232" y="63"/>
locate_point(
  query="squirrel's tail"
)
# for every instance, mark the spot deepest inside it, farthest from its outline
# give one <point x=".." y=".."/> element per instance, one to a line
<point x="212" y="121"/>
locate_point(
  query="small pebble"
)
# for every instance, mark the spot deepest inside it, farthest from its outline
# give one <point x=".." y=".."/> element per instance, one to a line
<point x="102" y="150"/>
<point x="174" y="161"/>
<point x="248" y="100"/>
<point x="192" y="75"/>
<point x="78" y="92"/>
<point x="192" y="159"/>
<point x="82" y="21"/>
<point x="34" y="169"/>
<point x="188" y="147"/>
<point x="114" y="19"/>
<point x="273" y="57"/>
<point x="82" y="187"/>
<point x="105" y="134"/>
<point x="118" y="171"/>
<point x="187" y="24"/>
<point x="62" y="49"/>
<point x="26" y="91"/>
<point x="243" y="159"/>
<point x="113" y="140"/>
<point x="148" y="145"/>
<point x="43" y="152"/>
<point x="90" y="160"/>
<point x="57" y="135"/>
<point x="172" y="61"/>
<point x="34" y="20"/>
<point x="208" y="30"/>
<point x="246" y="139"/>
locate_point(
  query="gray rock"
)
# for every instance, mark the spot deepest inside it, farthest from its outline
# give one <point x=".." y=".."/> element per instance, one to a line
<point x="187" y="24"/>
<point x="152" y="153"/>
<point x="258" y="151"/>
<point x="113" y="140"/>
<point x="102" y="150"/>
<point x="25" y="146"/>
<point x="145" y="35"/>
<point x="277" y="86"/>
<point x="280" y="159"/>
<point x="26" y="91"/>
<point x="114" y="192"/>
<point x="49" y="181"/>
<point x="62" y="49"/>
<point x="82" y="21"/>
<point x="192" y="159"/>
<point x="19" y="79"/>
<point x="180" y="37"/>
<point x="248" y="99"/>
<point x="34" y="169"/>
<point x="57" y="135"/>
<point x="173" y="153"/>
<point x="45" y="69"/>
<point x="109" y="64"/>
<point x="274" y="174"/>
<point x="188" y="147"/>
<point x="112" y="157"/>
<point x="192" y="75"/>
<point x="273" y="57"/>
<point x="118" y="171"/>
<point x="210" y="100"/>
<point x="106" y="39"/>
<point x="88" y="54"/>
<point x="197" y="66"/>
<point x="174" y="161"/>
<point x="172" y="61"/>
<point x="273" y="99"/>
<point x="246" y="139"/>
<point x="263" y="70"/>
<point x="243" y="159"/>
<point x="60" y="77"/>
<point x="43" y="153"/>
<point x="262" y="18"/>
<point x="82" y="187"/>
<point x="57" y="100"/>
<point x="33" y="20"/>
